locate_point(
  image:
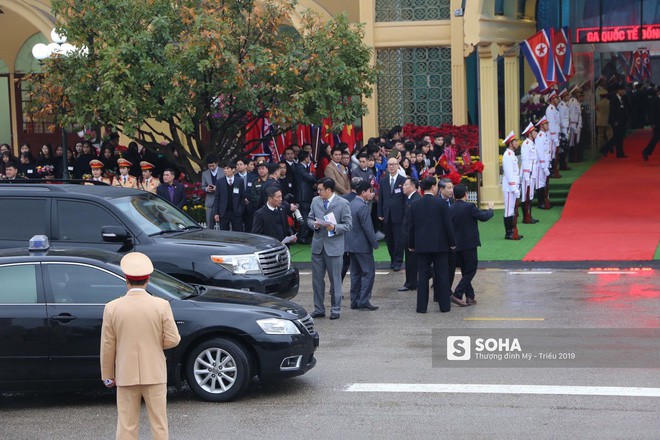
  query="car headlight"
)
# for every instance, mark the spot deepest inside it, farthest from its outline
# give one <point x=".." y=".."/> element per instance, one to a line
<point x="238" y="264"/>
<point x="276" y="326"/>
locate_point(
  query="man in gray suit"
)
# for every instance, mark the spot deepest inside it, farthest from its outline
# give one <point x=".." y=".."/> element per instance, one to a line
<point x="360" y="243"/>
<point x="328" y="245"/>
<point x="209" y="178"/>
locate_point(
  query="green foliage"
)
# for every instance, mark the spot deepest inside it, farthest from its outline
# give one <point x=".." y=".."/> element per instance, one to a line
<point x="194" y="75"/>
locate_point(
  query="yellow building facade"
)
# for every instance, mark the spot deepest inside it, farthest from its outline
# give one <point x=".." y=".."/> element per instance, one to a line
<point x="421" y="47"/>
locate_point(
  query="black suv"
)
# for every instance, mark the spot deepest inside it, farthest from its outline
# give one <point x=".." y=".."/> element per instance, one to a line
<point x="51" y="311"/>
<point x="123" y="220"/>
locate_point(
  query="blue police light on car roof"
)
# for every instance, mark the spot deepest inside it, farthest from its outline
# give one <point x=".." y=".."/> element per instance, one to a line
<point x="39" y="243"/>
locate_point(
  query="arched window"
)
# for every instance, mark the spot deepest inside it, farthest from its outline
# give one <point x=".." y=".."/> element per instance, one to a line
<point x="25" y="62"/>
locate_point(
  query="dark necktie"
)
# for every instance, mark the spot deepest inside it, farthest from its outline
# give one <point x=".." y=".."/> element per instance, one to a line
<point x="325" y="204"/>
<point x="392" y="180"/>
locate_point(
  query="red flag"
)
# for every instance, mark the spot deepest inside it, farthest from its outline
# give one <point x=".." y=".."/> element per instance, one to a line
<point x="646" y="65"/>
<point x="563" y="57"/>
<point x="442" y="161"/>
<point x="538" y="52"/>
<point x="283" y="140"/>
<point x="348" y="135"/>
<point x="303" y="134"/>
<point x="326" y="132"/>
<point x="252" y="136"/>
<point x="636" y="66"/>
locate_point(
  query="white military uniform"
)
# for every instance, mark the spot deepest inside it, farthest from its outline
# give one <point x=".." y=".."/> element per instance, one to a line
<point x="554" y="125"/>
<point x="562" y="107"/>
<point x="575" y="121"/>
<point x="528" y="170"/>
<point x="510" y="181"/>
<point x="544" y="155"/>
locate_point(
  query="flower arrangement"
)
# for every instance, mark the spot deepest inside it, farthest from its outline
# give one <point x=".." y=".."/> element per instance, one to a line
<point x="88" y="135"/>
<point x="195" y="197"/>
<point x="45" y="170"/>
<point x="87" y="177"/>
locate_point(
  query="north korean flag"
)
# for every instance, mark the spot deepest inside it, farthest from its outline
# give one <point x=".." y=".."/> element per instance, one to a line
<point x="563" y="55"/>
<point x="636" y="66"/>
<point x="539" y="53"/>
<point x="646" y="65"/>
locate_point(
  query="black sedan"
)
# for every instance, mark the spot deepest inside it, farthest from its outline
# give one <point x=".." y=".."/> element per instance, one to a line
<point x="51" y="309"/>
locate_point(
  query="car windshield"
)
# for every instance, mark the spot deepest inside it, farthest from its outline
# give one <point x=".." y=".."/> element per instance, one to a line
<point x="166" y="286"/>
<point x="153" y="215"/>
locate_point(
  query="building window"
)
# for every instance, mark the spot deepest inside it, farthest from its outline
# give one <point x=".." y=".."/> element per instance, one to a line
<point x="414" y="85"/>
<point x="412" y="10"/>
<point x="499" y="7"/>
<point x="33" y="124"/>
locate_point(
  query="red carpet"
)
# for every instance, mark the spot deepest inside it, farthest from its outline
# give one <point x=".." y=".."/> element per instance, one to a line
<point x="612" y="211"/>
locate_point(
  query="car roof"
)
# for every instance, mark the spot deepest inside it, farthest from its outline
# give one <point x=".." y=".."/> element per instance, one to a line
<point x="72" y="255"/>
<point x="104" y="191"/>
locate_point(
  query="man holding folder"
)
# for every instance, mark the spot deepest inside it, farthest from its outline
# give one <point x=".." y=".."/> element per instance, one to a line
<point x="329" y="218"/>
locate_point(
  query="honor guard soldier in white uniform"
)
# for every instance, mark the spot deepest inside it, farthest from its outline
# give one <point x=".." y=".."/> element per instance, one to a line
<point x="544" y="155"/>
<point x="528" y="172"/>
<point x="124" y="179"/>
<point x="574" y="120"/>
<point x="148" y="182"/>
<point x="563" y="108"/>
<point x="511" y="187"/>
<point x="554" y="124"/>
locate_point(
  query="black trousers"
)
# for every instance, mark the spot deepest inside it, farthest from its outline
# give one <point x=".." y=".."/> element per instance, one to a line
<point x="437" y="261"/>
<point x="654" y="140"/>
<point x="411" y="270"/>
<point x="345" y="264"/>
<point x="304" y="232"/>
<point x="468" y="261"/>
<point x="451" y="263"/>
<point x="394" y="242"/>
<point x="232" y="220"/>
<point x="618" y="133"/>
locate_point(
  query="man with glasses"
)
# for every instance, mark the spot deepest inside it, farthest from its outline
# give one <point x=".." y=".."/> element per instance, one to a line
<point x="391" y="202"/>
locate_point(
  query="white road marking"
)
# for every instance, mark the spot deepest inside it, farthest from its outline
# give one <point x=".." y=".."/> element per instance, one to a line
<point x="503" y="389"/>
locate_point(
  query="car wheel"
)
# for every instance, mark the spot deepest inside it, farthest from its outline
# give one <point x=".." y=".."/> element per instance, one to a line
<point x="218" y="370"/>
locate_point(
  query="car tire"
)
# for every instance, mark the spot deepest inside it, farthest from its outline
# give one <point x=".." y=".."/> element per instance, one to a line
<point x="218" y="370"/>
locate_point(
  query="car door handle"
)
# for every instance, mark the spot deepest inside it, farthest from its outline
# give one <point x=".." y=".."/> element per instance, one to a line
<point x="64" y="318"/>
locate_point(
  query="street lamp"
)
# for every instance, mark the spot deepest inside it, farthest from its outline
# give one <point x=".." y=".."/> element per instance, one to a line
<point x="41" y="51"/>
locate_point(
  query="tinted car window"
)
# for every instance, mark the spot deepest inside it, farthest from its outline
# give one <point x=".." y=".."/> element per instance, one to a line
<point x="21" y="219"/>
<point x="82" y="222"/>
<point x="81" y="284"/>
<point x="18" y="284"/>
<point x="152" y="214"/>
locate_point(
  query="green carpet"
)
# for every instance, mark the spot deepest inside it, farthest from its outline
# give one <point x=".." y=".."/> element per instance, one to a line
<point x="493" y="245"/>
<point x="657" y="253"/>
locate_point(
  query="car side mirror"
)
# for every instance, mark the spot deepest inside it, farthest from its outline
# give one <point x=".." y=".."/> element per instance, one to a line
<point x="114" y="234"/>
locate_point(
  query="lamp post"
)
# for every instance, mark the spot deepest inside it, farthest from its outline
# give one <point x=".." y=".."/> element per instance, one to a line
<point x="41" y="51"/>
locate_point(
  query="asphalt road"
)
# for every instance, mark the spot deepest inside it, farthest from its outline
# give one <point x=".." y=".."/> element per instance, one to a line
<point x="393" y="345"/>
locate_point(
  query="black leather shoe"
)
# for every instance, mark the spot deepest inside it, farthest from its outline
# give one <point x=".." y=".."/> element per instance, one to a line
<point x="458" y="302"/>
<point x="645" y="156"/>
<point x="623" y="156"/>
<point x="534" y="220"/>
<point x="471" y="301"/>
<point x="396" y="268"/>
<point x="369" y="306"/>
<point x="334" y="315"/>
<point x="317" y="315"/>
<point x="354" y="306"/>
<point x="403" y="289"/>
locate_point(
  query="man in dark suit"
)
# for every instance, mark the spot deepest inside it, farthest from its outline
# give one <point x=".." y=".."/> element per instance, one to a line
<point x="305" y="180"/>
<point x="230" y="200"/>
<point x="346" y="263"/>
<point x="618" y="120"/>
<point x="360" y="243"/>
<point x="431" y="237"/>
<point x="209" y="180"/>
<point x="391" y="203"/>
<point x="410" y="188"/>
<point x="171" y="190"/>
<point x="270" y="219"/>
<point x="464" y="216"/>
<point x="248" y="177"/>
<point x="655" y="121"/>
